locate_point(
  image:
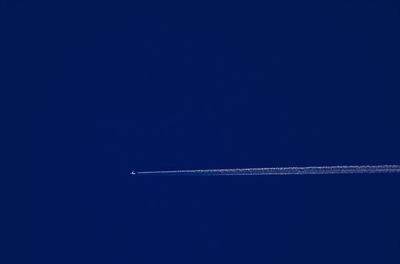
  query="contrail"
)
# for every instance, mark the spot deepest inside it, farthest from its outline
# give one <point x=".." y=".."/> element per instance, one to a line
<point x="317" y="170"/>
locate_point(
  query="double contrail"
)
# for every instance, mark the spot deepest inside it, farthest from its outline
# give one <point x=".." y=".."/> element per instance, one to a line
<point x="316" y="170"/>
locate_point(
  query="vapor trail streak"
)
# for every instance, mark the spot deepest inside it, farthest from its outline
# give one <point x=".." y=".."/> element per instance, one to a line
<point x="319" y="170"/>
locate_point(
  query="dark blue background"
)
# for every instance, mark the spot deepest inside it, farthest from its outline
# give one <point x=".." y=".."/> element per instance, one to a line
<point x="162" y="85"/>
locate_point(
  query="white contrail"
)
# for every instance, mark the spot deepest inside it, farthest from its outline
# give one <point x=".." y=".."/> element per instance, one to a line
<point x="320" y="170"/>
